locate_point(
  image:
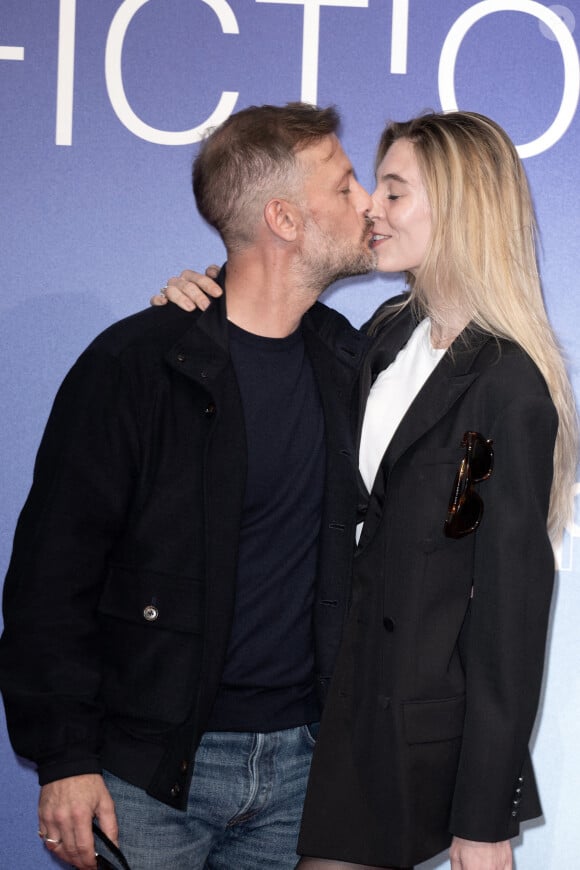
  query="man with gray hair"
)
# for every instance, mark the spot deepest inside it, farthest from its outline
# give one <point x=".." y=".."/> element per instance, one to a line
<point x="181" y="567"/>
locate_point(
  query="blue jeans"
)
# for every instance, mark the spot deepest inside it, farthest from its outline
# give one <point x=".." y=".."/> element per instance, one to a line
<point x="243" y="810"/>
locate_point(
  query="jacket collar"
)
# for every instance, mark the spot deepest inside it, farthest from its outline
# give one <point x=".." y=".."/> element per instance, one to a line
<point x="383" y="349"/>
<point x="451" y="378"/>
<point x="202" y="352"/>
<point x="347" y="344"/>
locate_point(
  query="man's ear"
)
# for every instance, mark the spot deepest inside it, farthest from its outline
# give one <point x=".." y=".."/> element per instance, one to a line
<point x="283" y="219"/>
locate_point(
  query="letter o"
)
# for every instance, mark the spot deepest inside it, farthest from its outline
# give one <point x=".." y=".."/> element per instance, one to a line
<point x="116" y="90"/>
<point x="573" y="527"/>
<point x="567" y="45"/>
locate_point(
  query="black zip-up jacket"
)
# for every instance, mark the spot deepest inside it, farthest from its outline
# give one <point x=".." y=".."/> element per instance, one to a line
<point x="119" y="596"/>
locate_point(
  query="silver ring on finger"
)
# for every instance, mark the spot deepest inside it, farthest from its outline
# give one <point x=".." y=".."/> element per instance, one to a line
<point x="49" y="840"/>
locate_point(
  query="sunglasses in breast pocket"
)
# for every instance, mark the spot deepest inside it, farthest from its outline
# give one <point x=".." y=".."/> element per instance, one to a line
<point x="109" y="856"/>
<point x="466" y="504"/>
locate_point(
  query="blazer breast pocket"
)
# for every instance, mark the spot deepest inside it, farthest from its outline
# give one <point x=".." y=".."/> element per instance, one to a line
<point x="435" y="472"/>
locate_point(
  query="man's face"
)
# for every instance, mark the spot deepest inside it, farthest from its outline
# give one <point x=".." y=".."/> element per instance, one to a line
<point x="337" y="230"/>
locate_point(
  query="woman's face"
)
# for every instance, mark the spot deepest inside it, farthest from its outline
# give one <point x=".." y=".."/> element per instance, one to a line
<point x="401" y="211"/>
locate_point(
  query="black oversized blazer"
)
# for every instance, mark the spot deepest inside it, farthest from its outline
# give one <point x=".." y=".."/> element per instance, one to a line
<point x="425" y="733"/>
<point x="119" y="596"/>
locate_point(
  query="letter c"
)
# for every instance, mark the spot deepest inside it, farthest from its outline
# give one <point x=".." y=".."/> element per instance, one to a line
<point x="116" y="90"/>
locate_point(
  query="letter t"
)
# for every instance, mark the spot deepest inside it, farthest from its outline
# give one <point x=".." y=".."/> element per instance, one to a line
<point x="310" y="40"/>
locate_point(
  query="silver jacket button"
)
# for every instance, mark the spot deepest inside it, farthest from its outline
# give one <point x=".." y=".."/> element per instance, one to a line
<point x="150" y="613"/>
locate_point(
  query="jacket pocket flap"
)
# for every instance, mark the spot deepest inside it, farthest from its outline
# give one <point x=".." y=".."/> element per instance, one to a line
<point x="431" y="721"/>
<point x="442" y="456"/>
<point x="162" y="601"/>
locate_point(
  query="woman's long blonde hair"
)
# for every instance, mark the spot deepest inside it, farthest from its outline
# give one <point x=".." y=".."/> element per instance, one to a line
<point x="482" y="258"/>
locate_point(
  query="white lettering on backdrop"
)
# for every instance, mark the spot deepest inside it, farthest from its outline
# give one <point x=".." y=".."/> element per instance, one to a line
<point x="571" y="90"/>
<point x="114" y="77"/>
<point x="570" y="544"/>
<point x="549" y="18"/>
<point x="311" y="40"/>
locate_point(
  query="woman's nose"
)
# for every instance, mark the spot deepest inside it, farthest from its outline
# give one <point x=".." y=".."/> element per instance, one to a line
<point x="377" y="211"/>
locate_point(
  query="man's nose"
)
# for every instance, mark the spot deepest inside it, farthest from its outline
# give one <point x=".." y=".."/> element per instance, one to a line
<point x="364" y="201"/>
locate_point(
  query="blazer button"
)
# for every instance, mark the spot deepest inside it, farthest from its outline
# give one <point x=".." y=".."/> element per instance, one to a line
<point x="183" y="766"/>
<point x="389" y="623"/>
<point x="175" y="790"/>
<point x="210" y="410"/>
<point x="150" y="613"/>
<point x="181" y="357"/>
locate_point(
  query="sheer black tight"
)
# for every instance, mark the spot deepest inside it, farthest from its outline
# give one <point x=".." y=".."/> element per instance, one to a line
<point x="325" y="864"/>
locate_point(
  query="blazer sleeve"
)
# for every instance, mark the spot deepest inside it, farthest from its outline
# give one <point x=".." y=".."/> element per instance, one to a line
<point x="83" y="482"/>
<point x="503" y="639"/>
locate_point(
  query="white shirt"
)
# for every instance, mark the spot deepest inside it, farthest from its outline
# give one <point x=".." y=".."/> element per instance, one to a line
<point x="390" y="398"/>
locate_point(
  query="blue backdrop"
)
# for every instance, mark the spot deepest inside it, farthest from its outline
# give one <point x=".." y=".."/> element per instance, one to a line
<point x="101" y="104"/>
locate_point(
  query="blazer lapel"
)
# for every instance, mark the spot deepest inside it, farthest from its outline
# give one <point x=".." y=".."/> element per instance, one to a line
<point x="447" y="383"/>
<point x="384" y="348"/>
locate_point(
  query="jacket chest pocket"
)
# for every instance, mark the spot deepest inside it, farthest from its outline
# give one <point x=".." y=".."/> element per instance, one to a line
<point x="151" y="628"/>
<point x="435" y="474"/>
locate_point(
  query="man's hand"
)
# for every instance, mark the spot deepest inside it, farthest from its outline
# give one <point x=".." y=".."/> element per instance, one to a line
<point x="65" y="812"/>
<point x="191" y="290"/>
<point x="471" y="855"/>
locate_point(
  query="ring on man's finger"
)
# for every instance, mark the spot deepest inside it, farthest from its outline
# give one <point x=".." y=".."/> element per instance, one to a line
<point x="48" y="839"/>
<point x="163" y="291"/>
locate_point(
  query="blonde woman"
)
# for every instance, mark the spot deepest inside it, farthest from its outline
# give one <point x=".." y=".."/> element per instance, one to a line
<point x="467" y="452"/>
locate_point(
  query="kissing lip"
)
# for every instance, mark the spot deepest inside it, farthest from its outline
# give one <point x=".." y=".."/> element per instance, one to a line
<point x="369" y="235"/>
<point x="378" y="238"/>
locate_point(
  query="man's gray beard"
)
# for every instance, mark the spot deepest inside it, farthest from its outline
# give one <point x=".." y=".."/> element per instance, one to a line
<point x="326" y="266"/>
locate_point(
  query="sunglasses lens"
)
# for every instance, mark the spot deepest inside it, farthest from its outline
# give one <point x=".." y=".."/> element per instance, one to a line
<point x="466" y="506"/>
<point x="481" y="461"/>
<point x="466" y="516"/>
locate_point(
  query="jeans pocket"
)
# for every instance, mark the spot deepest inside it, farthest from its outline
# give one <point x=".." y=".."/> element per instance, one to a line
<point x="311" y="732"/>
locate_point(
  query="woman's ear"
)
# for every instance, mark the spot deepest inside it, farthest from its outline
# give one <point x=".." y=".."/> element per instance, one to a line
<point x="282" y="218"/>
